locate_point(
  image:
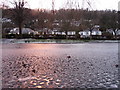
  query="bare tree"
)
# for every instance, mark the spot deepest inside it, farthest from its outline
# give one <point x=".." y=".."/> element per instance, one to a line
<point x="18" y="15"/>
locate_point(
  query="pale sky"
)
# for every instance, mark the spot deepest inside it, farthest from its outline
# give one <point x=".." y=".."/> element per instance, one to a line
<point x="47" y="4"/>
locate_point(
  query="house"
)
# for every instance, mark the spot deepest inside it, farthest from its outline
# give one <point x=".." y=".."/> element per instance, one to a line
<point x="118" y="32"/>
<point x="110" y="31"/>
<point x="5" y="20"/>
<point x="71" y="33"/>
<point x="96" y="32"/>
<point x="63" y="32"/>
<point x="84" y="34"/>
<point x="45" y="31"/>
<point x="87" y="33"/>
<point x="24" y="31"/>
<point x="59" y="33"/>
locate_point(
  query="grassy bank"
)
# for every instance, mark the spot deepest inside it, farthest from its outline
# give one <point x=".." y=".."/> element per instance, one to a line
<point x="56" y="41"/>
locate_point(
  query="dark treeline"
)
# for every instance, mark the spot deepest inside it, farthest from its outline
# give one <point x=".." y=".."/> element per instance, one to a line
<point x="37" y="19"/>
<point x="63" y="19"/>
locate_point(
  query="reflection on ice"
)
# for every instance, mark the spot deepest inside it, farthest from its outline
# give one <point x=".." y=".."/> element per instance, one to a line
<point x="60" y="65"/>
<point x="39" y="82"/>
<point x="27" y="78"/>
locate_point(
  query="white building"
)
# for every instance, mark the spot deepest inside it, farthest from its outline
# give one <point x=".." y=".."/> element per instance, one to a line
<point x="71" y="33"/>
<point x="84" y="34"/>
<point x="110" y="31"/>
<point x="96" y="32"/>
<point x="24" y="31"/>
<point x="59" y="33"/>
<point x="118" y="32"/>
<point x="87" y="33"/>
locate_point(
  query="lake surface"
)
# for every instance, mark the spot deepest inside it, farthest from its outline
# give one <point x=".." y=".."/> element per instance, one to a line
<point x="84" y="65"/>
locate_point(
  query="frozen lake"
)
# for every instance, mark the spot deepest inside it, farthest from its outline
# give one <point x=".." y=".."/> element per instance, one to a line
<point x="84" y="65"/>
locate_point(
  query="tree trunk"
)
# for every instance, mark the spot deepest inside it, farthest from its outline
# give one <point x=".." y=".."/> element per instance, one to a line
<point x="66" y="34"/>
<point x="20" y="31"/>
<point x="90" y="34"/>
<point x="77" y="35"/>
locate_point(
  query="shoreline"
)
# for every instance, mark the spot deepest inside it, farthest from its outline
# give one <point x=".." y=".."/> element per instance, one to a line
<point x="55" y="41"/>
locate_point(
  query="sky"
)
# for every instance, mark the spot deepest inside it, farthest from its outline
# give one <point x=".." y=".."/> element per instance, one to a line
<point x="94" y="4"/>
